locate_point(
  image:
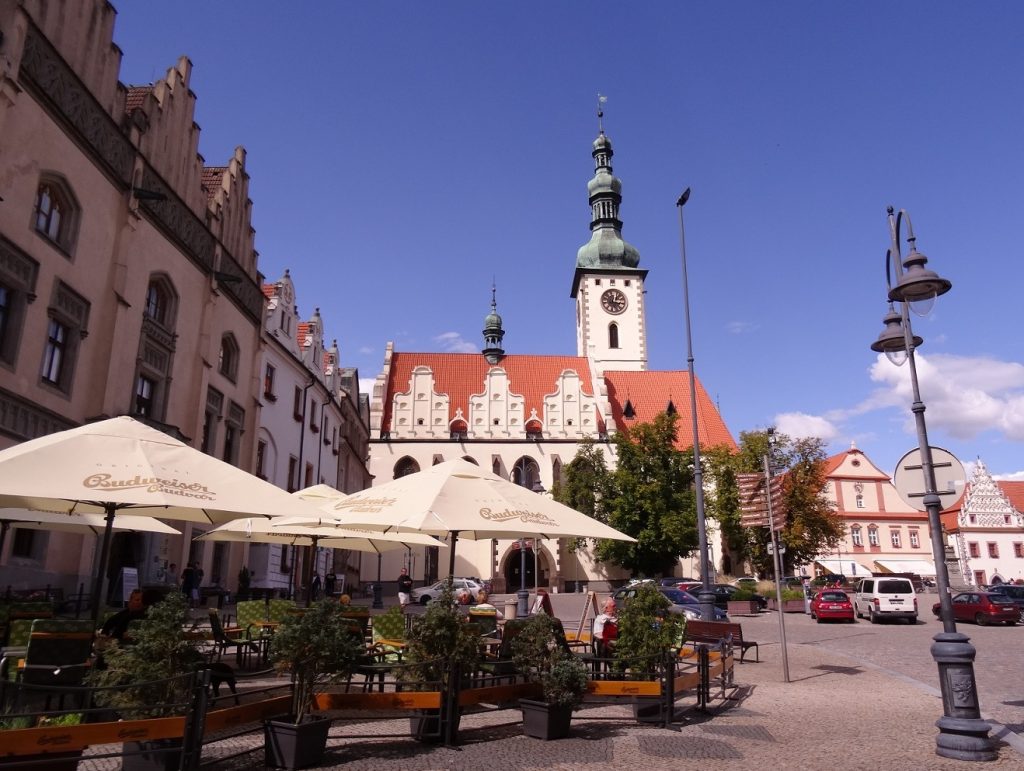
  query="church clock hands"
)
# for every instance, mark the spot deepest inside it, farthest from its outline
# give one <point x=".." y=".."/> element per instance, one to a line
<point x="613" y="301"/>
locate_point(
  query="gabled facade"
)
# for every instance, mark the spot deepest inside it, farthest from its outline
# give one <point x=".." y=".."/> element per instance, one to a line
<point x="128" y="279"/>
<point x="986" y="530"/>
<point x="311" y="430"/>
<point x="883" y="534"/>
<point x="524" y="416"/>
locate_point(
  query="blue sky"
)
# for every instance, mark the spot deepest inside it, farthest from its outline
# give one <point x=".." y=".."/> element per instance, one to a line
<point x="404" y="154"/>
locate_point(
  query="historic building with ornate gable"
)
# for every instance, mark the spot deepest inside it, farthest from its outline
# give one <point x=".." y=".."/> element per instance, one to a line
<point x="883" y="533"/>
<point x="314" y="428"/>
<point x="986" y="530"/>
<point x="524" y="416"/>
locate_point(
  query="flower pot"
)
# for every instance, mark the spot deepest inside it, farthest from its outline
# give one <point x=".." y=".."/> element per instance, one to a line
<point x="788" y="606"/>
<point x="157" y="755"/>
<point x="545" y="721"/>
<point x="295" y="745"/>
<point x="742" y="608"/>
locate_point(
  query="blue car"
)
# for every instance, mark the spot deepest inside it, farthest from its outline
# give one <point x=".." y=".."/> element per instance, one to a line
<point x="689" y="606"/>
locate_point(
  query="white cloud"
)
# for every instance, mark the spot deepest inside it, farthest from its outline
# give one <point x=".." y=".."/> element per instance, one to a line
<point x="452" y="342"/>
<point x="800" y="425"/>
<point x="366" y="349"/>
<point x="741" y="327"/>
<point x="1013" y="476"/>
<point x="964" y="395"/>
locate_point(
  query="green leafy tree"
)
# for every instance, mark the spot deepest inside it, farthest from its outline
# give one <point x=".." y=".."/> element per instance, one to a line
<point x="584" y="485"/>
<point x="650" y="497"/>
<point x="812" y="525"/>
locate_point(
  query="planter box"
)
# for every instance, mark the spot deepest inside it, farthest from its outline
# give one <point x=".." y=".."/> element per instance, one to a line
<point x="743" y="608"/>
<point x="788" y="606"/>
<point x="287" y="745"/>
<point x="545" y="721"/>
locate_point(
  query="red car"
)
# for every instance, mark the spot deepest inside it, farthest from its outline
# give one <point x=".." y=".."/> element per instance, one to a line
<point x="982" y="608"/>
<point x="831" y="604"/>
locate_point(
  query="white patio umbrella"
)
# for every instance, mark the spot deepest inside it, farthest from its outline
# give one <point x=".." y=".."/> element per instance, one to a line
<point x="121" y="464"/>
<point x="332" y="537"/>
<point x="458" y="499"/>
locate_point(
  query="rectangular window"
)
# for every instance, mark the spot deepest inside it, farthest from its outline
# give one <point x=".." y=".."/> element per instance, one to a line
<point x="873" y="536"/>
<point x="973" y="550"/>
<point x="230" y="443"/>
<point x="18" y="276"/>
<point x="297" y="404"/>
<point x="261" y="459"/>
<point x="212" y="416"/>
<point x="860" y="501"/>
<point x="56" y="349"/>
<point x="856" y="537"/>
<point x="293" y="474"/>
<point x="993" y="549"/>
<point x="915" y="540"/>
<point x="233" y="427"/>
<point x="268" y="383"/>
<point x="314" y="424"/>
<point x="22" y="543"/>
<point x="308" y="482"/>
<point x="5" y="312"/>
<point x="1018" y="550"/>
<point x="144" y="388"/>
<point x="894" y="537"/>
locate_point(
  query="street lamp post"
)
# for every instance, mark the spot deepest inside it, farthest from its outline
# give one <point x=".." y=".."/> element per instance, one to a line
<point x="962" y="733"/>
<point x="705" y="595"/>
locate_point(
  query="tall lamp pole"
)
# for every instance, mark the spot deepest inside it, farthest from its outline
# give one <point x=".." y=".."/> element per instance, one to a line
<point x="962" y="733"/>
<point x="705" y="595"/>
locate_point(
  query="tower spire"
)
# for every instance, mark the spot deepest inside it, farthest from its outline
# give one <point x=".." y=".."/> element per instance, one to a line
<point x="493" y="333"/>
<point x="606" y="248"/>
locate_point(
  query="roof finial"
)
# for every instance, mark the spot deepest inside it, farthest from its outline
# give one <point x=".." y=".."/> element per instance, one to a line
<point x="600" y="113"/>
<point x="494" y="295"/>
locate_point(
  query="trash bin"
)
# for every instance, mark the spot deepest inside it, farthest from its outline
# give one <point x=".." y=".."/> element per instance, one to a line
<point x="511" y="606"/>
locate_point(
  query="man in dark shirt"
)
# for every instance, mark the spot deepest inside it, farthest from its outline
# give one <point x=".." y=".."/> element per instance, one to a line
<point x="404" y="588"/>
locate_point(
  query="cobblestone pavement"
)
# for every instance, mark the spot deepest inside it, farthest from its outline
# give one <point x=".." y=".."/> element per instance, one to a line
<point x="860" y="697"/>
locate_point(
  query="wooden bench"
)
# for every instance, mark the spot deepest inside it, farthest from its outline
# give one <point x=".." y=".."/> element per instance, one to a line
<point x="713" y="631"/>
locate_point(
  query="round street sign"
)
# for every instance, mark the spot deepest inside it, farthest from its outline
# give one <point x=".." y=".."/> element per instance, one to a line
<point x="949" y="478"/>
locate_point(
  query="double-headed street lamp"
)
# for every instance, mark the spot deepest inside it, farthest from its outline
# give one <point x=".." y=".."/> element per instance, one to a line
<point x="962" y="732"/>
<point x="705" y="595"/>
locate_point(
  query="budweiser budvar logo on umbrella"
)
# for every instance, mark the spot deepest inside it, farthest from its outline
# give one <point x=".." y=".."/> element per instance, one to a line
<point x="150" y="485"/>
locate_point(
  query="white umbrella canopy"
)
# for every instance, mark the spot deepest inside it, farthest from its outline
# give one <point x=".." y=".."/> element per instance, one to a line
<point x="118" y="464"/>
<point x="266" y="531"/>
<point x="459" y="499"/>
<point x="77" y="523"/>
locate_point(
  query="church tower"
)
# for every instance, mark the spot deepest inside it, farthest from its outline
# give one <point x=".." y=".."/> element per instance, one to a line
<point x="608" y="286"/>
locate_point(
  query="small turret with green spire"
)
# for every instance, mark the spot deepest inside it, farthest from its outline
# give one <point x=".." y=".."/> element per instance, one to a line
<point x="493" y="333"/>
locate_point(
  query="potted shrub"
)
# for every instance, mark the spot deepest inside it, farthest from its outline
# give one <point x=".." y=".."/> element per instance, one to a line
<point x="148" y="677"/>
<point x="647" y="630"/>
<point x="539" y="656"/>
<point x="317" y="647"/>
<point x="440" y="641"/>
<point x="742" y="602"/>
<point x="792" y="601"/>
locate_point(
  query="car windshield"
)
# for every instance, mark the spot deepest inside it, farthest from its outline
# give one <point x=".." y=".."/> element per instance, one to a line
<point x="834" y="596"/>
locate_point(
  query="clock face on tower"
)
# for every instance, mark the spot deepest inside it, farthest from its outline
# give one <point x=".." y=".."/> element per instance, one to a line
<point x="613" y="301"/>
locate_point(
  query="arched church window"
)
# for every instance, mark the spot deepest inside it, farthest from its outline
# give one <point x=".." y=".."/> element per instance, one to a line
<point x="613" y="335"/>
<point x="526" y="473"/>
<point x="406" y="466"/>
<point x="56" y="212"/>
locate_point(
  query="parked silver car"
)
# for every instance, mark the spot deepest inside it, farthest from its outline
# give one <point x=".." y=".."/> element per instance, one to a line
<point x="428" y="593"/>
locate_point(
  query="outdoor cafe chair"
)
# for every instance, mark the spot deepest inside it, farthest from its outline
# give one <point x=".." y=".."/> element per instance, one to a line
<point x="486" y="619"/>
<point x="233" y="637"/>
<point x="59" y="653"/>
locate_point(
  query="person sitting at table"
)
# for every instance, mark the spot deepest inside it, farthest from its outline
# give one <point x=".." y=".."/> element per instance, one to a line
<point x="483" y="604"/>
<point x="462" y="597"/>
<point x="606" y="629"/>
<point x="139" y="601"/>
<point x="345" y="600"/>
<point x="542" y="604"/>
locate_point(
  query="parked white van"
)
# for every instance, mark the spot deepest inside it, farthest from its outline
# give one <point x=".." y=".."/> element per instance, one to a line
<point x="880" y="597"/>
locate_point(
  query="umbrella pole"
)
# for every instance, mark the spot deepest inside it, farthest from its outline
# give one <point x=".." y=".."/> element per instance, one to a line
<point x="311" y="560"/>
<point x="101" y="566"/>
<point x="451" y="557"/>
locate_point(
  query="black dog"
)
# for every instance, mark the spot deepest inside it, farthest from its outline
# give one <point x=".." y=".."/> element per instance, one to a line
<point x="221" y="674"/>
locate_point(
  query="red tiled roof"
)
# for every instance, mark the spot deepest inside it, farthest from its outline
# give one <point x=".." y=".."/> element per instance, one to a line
<point x="301" y="333"/>
<point x="460" y="375"/>
<point x="211" y="179"/>
<point x="269" y="290"/>
<point x="135" y="97"/>
<point x="649" y="394"/>
<point x="1015" y="492"/>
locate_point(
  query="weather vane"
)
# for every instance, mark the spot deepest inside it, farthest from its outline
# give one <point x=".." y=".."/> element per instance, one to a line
<point x="600" y="112"/>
